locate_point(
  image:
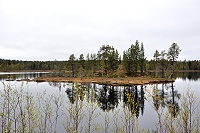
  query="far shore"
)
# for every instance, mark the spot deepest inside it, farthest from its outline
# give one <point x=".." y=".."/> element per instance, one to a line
<point x="29" y="71"/>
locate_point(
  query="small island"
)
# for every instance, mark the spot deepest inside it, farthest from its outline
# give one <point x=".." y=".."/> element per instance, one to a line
<point x="107" y="66"/>
<point x="108" y="81"/>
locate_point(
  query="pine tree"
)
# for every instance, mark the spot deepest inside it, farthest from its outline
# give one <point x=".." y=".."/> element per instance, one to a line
<point x="72" y="64"/>
<point x="162" y="57"/>
<point x="173" y="54"/>
<point x="134" y="58"/>
<point x="82" y="61"/>
<point x="142" y="59"/>
<point x="110" y="57"/>
<point x="126" y="62"/>
<point x="156" y="58"/>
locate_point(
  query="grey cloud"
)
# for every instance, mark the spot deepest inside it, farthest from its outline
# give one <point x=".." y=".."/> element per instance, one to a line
<point x="55" y="30"/>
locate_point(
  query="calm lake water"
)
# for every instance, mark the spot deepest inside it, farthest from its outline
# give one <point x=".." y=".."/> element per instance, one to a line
<point x="111" y="99"/>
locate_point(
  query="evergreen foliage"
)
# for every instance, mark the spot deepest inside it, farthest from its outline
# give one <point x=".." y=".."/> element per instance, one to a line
<point x="106" y="62"/>
<point x="134" y="58"/>
<point x="110" y="56"/>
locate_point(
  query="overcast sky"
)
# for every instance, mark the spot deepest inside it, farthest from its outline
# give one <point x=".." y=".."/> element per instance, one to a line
<point x="54" y="29"/>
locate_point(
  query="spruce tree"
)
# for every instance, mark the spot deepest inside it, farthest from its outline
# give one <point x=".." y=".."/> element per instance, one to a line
<point x="72" y="64"/>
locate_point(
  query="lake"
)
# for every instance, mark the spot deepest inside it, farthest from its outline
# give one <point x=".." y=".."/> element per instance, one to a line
<point x="101" y="108"/>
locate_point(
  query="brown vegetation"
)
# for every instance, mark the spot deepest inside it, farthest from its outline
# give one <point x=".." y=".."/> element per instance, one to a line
<point x="108" y="81"/>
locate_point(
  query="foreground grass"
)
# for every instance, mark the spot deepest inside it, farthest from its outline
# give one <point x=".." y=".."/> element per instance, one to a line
<point x="22" y="112"/>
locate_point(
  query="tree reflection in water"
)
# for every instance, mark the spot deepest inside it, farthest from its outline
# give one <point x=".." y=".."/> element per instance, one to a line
<point x="166" y="99"/>
<point x="56" y="84"/>
<point x="172" y="101"/>
<point x="76" y="92"/>
<point x="108" y="97"/>
<point x="159" y="97"/>
<point x="134" y="99"/>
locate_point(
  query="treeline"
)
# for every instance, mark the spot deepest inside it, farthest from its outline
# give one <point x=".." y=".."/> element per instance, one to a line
<point x="18" y="65"/>
<point x="108" y="62"/>
<point x="179" y="65"/>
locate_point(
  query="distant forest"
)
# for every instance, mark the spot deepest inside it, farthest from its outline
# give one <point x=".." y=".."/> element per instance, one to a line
<point x="108" y="62"/>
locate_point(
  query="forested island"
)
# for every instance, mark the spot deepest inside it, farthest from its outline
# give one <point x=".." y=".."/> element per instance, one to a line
<point x="107" y="62"/>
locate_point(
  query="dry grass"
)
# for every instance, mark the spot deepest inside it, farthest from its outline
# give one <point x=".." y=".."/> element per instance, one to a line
<point x="109" y="81"/>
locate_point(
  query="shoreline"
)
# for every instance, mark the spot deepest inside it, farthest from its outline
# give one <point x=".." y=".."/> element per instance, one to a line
<point x="58" y="70"/>
<point x="29" y="71"/>
<point x="107" y="81"/>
